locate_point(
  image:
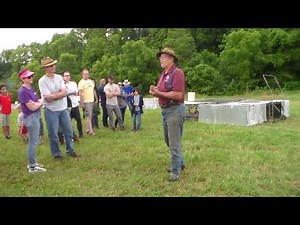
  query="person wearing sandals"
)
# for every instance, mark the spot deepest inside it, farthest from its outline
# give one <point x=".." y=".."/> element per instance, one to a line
<point x="31" y="109"/>
<point x="88" y="96"/>
<point x="53" y="91"/>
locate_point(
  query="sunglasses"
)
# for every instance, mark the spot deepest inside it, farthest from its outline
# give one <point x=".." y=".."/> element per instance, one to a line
<point x="29" y="77"/>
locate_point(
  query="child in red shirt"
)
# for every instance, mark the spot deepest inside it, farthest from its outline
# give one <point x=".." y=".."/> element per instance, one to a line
<point x="5" y="105"/>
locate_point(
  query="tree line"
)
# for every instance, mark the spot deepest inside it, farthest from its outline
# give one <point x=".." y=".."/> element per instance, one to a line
<point x="216" y="61"/>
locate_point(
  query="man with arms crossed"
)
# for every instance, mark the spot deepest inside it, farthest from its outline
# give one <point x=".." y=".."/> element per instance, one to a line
<point x="53" y="91"/>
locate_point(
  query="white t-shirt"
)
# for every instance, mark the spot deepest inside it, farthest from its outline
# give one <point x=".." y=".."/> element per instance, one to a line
<point x="49" y="85"/>
<point x="71" y="88"/>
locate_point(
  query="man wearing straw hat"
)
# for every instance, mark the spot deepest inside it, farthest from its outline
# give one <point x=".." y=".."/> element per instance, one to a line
<point x="53" y="91"/>
<point x="170" y="91"/>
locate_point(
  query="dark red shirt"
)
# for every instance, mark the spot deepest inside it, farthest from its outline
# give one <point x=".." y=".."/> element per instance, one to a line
<point x="173" y="80"/>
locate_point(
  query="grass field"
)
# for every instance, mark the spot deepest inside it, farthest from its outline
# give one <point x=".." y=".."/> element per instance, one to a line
<point x="221" y="160"/>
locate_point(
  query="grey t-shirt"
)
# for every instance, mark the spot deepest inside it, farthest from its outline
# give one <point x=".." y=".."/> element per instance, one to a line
<point x="111" y="88"/>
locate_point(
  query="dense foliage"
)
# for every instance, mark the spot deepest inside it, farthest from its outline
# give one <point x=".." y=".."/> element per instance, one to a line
<point x="215" y="60"/>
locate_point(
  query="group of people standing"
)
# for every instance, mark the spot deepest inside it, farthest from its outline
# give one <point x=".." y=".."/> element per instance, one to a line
<point x="56" y="91"/>
<point x="114" y="99"/>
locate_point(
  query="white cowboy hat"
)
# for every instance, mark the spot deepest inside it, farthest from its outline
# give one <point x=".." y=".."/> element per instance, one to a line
<point x="126" y="82"/>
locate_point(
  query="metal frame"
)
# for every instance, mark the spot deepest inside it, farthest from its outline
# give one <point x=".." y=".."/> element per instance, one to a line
<point x="273" y="106"/>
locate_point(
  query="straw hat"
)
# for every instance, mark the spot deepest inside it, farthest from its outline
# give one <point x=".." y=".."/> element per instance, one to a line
<point x="47" y="61"/>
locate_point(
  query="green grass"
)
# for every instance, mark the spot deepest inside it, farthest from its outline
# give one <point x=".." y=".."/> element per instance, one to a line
<point x="221" y="160"/>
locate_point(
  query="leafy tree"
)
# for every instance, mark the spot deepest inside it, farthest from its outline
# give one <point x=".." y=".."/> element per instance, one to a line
<point x="114" y="44"/>
<point x="293" y="53"/>
<point x="95" y="47"/>
<point x="138" y="64"/>
<point x="182" y="42"/>
<point x="82" y="34"/>
<point x="235" y="57"/>
<point x="5" y="55"/>
<point x="69" y="62"/>
<point x="5" y="70"/>
<point x="20" y="57"/>
<point x="128" y="34"/>
<point x="35" y="50"/>
<point x="106" y="66"/>
<point x="208" y="38"/>
<point x="156" y="38"/>
<point x="281" y="49"/>
<point x="241" y="48"/>
<point x="205" y="79"/>
<point x="66" y="43"/>
<point x="208" y="61"/>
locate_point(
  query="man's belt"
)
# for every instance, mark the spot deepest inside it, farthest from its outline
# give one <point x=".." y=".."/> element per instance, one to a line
<point x="169" y="104"/>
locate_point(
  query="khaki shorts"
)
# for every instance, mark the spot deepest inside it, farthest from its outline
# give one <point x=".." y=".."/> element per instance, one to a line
<point x="89" y="109"/>
<point x="5" y="120"/>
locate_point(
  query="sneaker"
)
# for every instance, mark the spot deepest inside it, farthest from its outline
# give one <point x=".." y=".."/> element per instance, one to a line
<point x="173" y="177"/>
<point x="75" y="138"/>
<point x="36" y="169"/>
<point x="41" y="140"/>
<point x="170" y="169"/>
<point x="74" y="155"/>
<point x="58" y="157"/>
<point x="39" y="165"/>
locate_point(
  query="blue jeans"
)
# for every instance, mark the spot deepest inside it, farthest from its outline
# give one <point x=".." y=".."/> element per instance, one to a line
<point x="136" y="120"/>
<point x="173" y="119"/>
<point x="41" y="127"/>
<point x="55" y="120"/>
<point x="32" y="123"/>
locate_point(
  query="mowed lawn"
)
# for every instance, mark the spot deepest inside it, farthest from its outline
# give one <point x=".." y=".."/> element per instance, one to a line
<point x="221" y="160"/>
